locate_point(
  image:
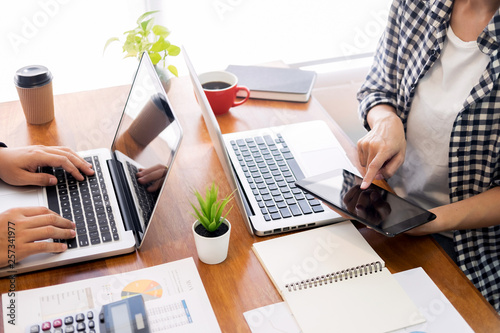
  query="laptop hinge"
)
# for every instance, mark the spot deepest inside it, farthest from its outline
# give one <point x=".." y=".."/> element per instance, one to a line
<point x="125" y="201"/>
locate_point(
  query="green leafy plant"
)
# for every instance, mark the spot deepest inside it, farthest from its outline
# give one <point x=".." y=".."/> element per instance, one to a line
<point x="151" y="38"/>
<point x="210" y="208"/>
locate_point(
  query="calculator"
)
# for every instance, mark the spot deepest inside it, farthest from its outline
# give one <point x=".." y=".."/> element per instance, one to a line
<point x="124" y="316"/>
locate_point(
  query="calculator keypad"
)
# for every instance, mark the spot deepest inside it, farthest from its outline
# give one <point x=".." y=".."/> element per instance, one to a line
<point x="78" y="323"/>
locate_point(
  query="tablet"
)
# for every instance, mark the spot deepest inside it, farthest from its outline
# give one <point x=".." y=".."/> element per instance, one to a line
<point x="375" y="207"/>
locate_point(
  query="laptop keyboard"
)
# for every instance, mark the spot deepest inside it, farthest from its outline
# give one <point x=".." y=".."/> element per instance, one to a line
<point x="84" y="202"/>
<point x="271" y="171"/>
<point x="146" y="199"/>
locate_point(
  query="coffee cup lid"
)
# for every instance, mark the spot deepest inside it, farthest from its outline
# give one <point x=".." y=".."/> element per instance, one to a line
<point x="32" y="76"/>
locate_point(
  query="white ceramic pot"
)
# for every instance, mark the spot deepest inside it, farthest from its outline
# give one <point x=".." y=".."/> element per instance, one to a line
<point x="212" y="250"/>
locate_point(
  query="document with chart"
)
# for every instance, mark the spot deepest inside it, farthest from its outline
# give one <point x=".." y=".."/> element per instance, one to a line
<point x="174" y="297"/>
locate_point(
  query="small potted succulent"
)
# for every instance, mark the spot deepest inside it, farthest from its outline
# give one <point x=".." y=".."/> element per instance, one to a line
<point x="152" y="39"/>
<point x="211" y="230"/>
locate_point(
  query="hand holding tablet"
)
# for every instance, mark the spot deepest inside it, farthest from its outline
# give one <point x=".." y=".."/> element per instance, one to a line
<point x="375" y="207"/>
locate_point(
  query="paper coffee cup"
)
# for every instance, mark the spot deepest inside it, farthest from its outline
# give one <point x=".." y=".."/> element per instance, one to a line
<point x="151" y="121"/>
<point x="34" y="87"/>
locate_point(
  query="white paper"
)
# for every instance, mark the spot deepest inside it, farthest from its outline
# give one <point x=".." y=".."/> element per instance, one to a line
<point x="274" y="318"/>
<point x="439" y="313"/>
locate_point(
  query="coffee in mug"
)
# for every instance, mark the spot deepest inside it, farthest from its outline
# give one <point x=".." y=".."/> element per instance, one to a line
<point x="215" y="85"/>
<point x="34" y="86"/>
<point x="221" y="88"/>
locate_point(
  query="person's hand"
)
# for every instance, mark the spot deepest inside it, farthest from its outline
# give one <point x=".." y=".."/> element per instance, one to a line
<point x="152" y="177"/>
<point x="19" y="165"/>
<point x="382" y="150"/>
<point x="22" y="228"/>
<point x="367" y="204"/>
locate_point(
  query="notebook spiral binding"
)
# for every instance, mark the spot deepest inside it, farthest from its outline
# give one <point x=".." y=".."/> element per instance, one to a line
<point x="345" y="274"/>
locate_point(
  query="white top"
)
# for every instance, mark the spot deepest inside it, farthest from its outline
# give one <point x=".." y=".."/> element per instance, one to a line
<point x="440" y="94"/>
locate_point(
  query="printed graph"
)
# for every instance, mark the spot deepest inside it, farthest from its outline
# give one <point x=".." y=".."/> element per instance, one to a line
<point x="149" y="289"/>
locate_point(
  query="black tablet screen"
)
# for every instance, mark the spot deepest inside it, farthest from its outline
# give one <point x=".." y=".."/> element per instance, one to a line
<point x="374" y="206"/>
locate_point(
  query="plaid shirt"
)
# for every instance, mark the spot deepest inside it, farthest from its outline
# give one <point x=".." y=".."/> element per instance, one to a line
<point x="411" y="43"/>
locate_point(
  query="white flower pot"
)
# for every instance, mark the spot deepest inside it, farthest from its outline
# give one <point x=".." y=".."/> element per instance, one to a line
<point x="212" y="250"/>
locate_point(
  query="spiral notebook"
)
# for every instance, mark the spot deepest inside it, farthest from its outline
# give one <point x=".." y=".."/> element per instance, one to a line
<point x="332" y="280"/>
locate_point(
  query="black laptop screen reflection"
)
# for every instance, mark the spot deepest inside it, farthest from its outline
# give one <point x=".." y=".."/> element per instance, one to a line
<point x="146" y="141"/>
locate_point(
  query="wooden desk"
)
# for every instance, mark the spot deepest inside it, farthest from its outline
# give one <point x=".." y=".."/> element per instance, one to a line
<point x="240" y="283"/>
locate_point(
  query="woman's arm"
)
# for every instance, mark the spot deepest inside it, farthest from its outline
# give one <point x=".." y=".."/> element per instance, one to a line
<point x="382" y="80"/>
<point x="382" y="149"/>
<point x="479" y="211"/>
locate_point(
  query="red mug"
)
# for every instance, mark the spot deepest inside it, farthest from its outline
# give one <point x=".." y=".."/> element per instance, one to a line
<point x="221" y="88"/>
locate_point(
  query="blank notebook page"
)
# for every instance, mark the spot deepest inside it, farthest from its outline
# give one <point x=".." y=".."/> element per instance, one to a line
<point x="356" y="302"/>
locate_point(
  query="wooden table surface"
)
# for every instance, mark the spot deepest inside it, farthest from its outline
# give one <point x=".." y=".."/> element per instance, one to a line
<point x="239" y="284"/>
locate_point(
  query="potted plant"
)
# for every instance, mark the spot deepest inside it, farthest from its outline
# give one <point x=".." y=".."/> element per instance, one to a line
<point x="152" y="39"/>
<point x="211" y="230"/>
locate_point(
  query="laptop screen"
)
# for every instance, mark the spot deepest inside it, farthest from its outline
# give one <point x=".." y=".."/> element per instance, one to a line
<point x="215" y="134"/>
<point x="146" y="142"/>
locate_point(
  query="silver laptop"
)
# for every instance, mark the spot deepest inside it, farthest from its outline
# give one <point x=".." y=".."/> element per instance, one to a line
<point x="263" y="165"/>
<point x="113" y="210"/>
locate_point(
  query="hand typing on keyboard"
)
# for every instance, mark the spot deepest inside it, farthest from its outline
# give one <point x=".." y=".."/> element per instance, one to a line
<point x="22" y="228"/>
<point x="18" y="166"/>
<point x="152" y="177"/>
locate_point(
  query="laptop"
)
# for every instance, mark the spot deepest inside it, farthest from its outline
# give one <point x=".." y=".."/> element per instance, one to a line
<point x="112" y="210"/>
<point x="264" y="164"/>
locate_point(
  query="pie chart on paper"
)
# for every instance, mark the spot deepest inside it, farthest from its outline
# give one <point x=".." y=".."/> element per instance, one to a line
<point x="149" y="289"/>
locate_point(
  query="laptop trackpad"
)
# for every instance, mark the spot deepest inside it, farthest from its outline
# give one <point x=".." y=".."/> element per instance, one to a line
<point x="323" y="160"/>
<point x="19" y="196"/>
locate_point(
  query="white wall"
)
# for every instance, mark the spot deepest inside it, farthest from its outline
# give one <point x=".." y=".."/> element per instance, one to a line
<point x="336" y="90"/>
<point x="220" y="32"/>
<point x="68" y="36"/>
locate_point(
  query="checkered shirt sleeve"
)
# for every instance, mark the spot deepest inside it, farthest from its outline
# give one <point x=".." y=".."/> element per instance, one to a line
<point x="410" y="45"/>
